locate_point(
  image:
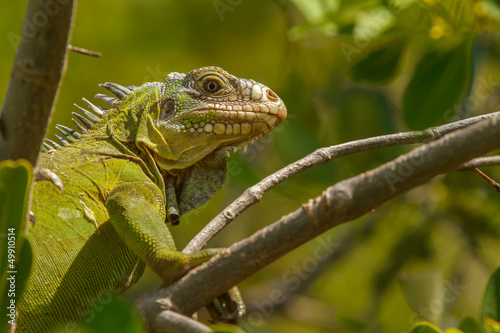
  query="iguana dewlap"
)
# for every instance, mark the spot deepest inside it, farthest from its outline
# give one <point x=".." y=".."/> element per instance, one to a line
<point x="158" y="152"/>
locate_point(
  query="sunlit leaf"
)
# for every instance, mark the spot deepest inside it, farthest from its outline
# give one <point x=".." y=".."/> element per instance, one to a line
<point x="488" y="9"/>
<point x="438" y="85"/>
<point x="424" y="327"/>
<point x="491" y="326"/>
<point x="314" y="10"/>
<point x="371" y="24"/>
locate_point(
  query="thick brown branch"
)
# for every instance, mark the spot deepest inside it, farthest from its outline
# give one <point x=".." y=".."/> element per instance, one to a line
<point x="345" y="201"/>
<point x="39" y="66"/>
<point x="253" y="194"/>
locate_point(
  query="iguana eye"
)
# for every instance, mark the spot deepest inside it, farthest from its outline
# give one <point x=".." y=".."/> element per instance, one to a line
<point x="211" y="86"/>
<point x="167" y="108"/>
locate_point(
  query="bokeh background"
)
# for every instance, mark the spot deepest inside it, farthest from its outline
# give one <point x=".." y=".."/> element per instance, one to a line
<point x="346" y="70"/>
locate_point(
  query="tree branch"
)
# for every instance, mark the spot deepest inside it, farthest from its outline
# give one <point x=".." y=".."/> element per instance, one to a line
<point x="253" y="194"/>
<point x="84" y="51"/>
<point x="490" y="181"/>
<point x="39" y="66"/>
<point x="174" y="322"/>
<point x="480" y="162"/>
<point x="342" y="202"/>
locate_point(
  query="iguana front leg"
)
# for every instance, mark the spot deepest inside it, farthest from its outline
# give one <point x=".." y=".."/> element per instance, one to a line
<point x="134" y="209"/>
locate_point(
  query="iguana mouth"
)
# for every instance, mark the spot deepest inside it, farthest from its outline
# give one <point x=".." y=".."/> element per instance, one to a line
<point x="230" y="123"/>
<point x="235" y="111"/>
<point x="252" y="118"/>
<point x="246" y="123"/>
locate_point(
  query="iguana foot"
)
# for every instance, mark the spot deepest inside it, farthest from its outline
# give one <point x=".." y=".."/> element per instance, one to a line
<point x="228" y="308"/>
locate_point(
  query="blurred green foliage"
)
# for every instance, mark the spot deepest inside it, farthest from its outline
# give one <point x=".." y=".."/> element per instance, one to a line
<point x="346" y="70"/>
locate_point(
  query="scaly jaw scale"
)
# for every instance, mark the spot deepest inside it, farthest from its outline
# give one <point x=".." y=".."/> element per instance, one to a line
<point x="229" y="122"/>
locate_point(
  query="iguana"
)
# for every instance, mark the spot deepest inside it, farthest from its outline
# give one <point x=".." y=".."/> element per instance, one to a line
<point x="158" y="152"/>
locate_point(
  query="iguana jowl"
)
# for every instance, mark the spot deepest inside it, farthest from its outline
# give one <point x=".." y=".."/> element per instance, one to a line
<point x="159" y="152"/>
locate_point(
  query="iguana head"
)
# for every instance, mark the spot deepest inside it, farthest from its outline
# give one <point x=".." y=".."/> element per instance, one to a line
<point x="185" y="127"/>
<point x="206" y="110"/>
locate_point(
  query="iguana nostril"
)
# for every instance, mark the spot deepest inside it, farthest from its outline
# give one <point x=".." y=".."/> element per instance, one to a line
<point x="272" y="96"/>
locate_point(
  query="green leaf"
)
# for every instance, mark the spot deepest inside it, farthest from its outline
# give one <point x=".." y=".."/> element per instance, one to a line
<point x="113" y="316"/>
<point x="315" y="10"/>
<point x="14" y="180"/>
<point x="490" y="310"/>
<point x="469" y="325"/>
<point x="380" y="64"/>
<point x="424" y="327"/>
<point x="438" y="86"/>
<point x="16" y="255"/>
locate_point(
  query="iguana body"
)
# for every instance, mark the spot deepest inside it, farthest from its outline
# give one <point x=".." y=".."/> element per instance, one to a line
<point x="157" y="153"/>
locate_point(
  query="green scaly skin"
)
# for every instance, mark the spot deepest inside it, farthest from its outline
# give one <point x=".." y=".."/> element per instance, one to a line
<point x="159" y="152"/>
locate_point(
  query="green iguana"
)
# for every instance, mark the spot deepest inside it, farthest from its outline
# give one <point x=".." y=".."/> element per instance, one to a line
<point x="158" y="152"/>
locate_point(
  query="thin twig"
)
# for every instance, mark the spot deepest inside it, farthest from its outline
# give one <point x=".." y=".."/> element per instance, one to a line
<point x="84" y="51"/>
<point x="480" y="162"/>
<point x="490" y="181"/>
<point x="253" y="194"/>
